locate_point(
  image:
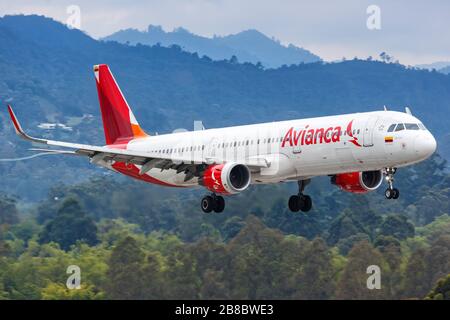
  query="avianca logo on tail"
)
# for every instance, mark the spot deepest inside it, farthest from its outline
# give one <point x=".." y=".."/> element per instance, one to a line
<point x="310" y="136"/>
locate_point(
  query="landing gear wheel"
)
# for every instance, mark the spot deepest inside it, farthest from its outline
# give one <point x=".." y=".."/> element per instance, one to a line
<point x="306" y="204"/>
<point x="396" y="193"/>
<point x="220" y="204"/>
<point x="300" y="202"/>
<point x="389" y="193"/>
<point x="208" y="204"/>
<point x="213" y="203"/>
<point x="294" y="203"/>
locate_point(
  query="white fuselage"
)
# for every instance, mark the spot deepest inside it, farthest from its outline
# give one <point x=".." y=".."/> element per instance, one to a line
<point x="297" y="149"/>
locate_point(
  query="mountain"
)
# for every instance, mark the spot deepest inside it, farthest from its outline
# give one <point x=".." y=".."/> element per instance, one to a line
<point x="445" y="70"/>
<point x="435" y="65"/>
<point x="441" y="66"/>
<point x="47" y="76"/>
<point x="248" y="46"/>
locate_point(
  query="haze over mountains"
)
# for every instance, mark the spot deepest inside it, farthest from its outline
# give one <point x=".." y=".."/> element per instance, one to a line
<point x="441" y="66"/>
<point x="445" y="70"/>
<point x="248" y="46"/>
<point x="47" y="77"/>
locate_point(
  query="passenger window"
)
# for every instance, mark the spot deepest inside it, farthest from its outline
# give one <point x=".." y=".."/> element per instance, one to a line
<point x="391" y="127"/>
<point x="400" y="127"/>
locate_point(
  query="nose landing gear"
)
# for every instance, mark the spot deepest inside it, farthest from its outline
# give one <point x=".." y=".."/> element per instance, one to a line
<point x="213" y="203"/>
<point x="391" y="192"/>
<point x="300" y="201"/>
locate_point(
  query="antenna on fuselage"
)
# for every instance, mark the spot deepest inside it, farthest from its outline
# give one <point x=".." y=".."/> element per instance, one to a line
<point x="408" y="111"/>
<point x="385" y="108"/>
<point x="198" y="125"/>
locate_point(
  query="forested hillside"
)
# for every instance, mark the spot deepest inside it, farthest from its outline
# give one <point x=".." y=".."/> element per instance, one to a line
<point x="134" y="240"/>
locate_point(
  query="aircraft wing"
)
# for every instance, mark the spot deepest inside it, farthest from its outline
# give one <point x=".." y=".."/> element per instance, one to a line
<point x="105" y="153"/>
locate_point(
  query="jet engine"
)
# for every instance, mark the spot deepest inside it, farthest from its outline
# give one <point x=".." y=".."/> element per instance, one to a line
<point x="226" y="178"/>
<point x="358" y="182"/>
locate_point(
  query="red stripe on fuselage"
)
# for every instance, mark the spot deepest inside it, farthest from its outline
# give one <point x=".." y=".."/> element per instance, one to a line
<point x="133" y="171"/>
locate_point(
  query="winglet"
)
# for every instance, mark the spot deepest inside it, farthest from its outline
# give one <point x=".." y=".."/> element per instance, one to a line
<point x="19" y="130"/>
<point x="16" y="123"/>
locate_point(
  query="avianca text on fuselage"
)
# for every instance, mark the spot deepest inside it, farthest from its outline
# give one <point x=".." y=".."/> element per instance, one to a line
<point x="311" y="136"/>
<point x="308" y="136"/>
<point x="201" y="158"/>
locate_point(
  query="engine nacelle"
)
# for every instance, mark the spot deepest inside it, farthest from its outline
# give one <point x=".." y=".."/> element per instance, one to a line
<point x="226" y="178"/>
<point x="358" y="182"/>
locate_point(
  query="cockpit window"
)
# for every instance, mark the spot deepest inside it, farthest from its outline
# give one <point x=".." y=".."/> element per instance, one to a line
<point x="400" y="127"/>
<point x="391" y="127"/>
<point x="406" y="126"/>
<point x="411" y="126"/>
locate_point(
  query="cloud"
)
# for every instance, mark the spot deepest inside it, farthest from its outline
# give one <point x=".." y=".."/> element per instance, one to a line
<point x="412" y="31"/>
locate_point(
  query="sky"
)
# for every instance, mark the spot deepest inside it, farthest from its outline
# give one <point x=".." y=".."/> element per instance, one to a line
<point x="414" y="31"/>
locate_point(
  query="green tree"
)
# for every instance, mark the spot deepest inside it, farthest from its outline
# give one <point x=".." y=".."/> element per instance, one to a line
<point x="441" y="291"/>
<point x="153" y="277"/>
<point x="5" y="248"/>
<point x="232" y="226"/>
<point x="70" y="225"/>
<point x="125" y="271"/>
<point x="316" y="281"/>
<point x="346" y="244"/>
<point x="255" y="270"/>
<point x="416" y="282"/>
<point x="214" y="285"/>
<point x="397" y="226"/>
<point x="54" y="291"/>
<point x="353" y="280"/>
<point x="438" y="259"/>
<point x="211" y="259"/>
<point x="8" y="211"/>
<point x="182" y="280"/>
<point x="390" y="248"/>
<point x="347" y="224"/>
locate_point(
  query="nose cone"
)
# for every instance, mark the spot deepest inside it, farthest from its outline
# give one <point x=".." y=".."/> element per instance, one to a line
<point x="424" y="145"/>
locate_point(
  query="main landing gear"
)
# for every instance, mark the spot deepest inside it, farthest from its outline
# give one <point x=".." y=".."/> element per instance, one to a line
<point x="213" y="202"/>
<point x="391" y="192"/>
<point x="300" y="201"/>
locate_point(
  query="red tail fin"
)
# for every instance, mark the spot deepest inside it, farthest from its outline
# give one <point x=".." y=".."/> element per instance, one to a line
<point x="119" y="123"/>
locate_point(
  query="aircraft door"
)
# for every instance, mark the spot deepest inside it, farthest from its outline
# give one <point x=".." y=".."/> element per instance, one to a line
<point x="368" y="131"/>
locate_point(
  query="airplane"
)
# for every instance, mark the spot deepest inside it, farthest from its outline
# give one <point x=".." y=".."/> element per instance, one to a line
<point x="355" y="150"/>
